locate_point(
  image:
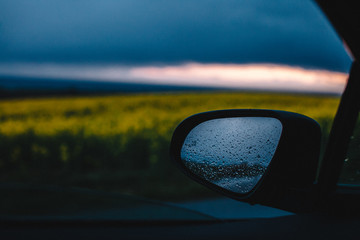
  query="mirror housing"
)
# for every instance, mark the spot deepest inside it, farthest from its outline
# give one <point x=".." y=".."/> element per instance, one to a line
<point x="288" y="181"/>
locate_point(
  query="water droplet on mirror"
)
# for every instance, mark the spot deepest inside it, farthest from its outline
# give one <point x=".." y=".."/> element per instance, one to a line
<point x="220" y="163"/>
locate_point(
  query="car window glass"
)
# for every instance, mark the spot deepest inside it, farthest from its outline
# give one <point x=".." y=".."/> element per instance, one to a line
<point x="91" y="91"/>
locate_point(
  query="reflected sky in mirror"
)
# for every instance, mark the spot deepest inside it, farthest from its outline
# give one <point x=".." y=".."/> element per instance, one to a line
<point x="232" y="153"/>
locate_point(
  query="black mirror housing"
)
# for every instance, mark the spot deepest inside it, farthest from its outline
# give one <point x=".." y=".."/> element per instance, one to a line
<point x="289" y="177"/>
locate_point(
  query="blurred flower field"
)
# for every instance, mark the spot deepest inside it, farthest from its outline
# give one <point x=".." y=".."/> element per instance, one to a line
<point x="120" y="143"/>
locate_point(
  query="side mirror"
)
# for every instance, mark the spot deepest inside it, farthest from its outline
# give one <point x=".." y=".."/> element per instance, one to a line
<point x="258" y="156"/>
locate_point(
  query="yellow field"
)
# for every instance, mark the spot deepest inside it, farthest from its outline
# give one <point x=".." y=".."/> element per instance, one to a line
<point x="119" y="142"/>
<point x="117" y="114"/>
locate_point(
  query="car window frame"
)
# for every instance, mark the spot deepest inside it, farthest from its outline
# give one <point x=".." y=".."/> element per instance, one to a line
<point x="331" y="195"/>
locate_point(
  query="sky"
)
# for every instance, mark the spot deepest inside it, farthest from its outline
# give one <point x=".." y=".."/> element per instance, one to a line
<point x="237" y="43"/>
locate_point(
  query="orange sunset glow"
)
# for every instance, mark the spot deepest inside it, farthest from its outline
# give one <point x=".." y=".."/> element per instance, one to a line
<point x="266" y="76"/>
<point x="248" y="76"/>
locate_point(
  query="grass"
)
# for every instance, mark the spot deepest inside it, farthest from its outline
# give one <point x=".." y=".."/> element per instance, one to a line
<point x="120" y="143"/>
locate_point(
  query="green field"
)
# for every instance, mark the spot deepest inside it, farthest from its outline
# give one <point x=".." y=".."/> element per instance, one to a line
<point x="120" y="143"/>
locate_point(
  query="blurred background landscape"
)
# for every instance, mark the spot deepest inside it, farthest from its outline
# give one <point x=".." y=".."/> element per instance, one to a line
<point x="91" y="91"/>
<point x="121" y="142"/>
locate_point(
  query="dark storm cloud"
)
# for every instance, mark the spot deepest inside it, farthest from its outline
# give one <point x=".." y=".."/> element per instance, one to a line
<point x="164" y="31"/>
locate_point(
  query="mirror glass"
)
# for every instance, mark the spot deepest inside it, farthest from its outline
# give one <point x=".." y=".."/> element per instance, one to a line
<point x="232" y="153"/>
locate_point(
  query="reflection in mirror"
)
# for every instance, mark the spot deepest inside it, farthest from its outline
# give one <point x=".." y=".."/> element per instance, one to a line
<point x="232" y="153"/>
